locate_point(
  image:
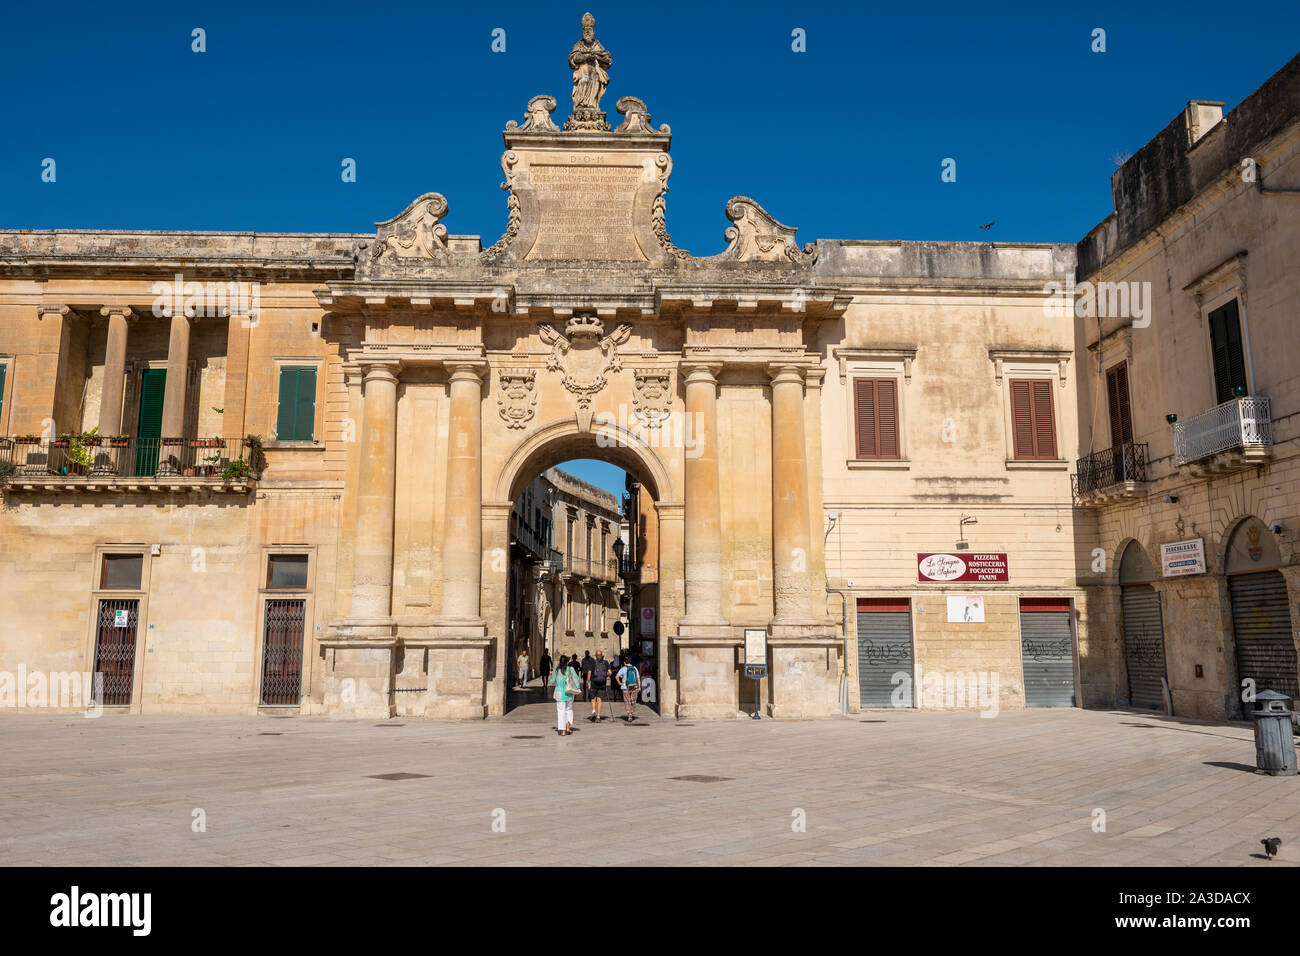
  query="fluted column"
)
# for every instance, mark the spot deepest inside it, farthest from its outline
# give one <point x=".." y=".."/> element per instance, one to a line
<point x="372" y="571"/>
<point x="462" y="548"/>
<point x="791" y="541"/>
<point x="110" y="402"/>
<point x="178" y="363"/>
<point x="703" y="505"/>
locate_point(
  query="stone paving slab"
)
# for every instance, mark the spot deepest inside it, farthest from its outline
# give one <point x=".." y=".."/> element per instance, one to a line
<point x="921" y="788"/>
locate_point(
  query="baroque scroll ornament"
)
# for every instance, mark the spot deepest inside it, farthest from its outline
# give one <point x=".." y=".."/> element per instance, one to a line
<point x="517" y="397"/>
<point x="653" y="397"/>
<point x="584" y="353"/>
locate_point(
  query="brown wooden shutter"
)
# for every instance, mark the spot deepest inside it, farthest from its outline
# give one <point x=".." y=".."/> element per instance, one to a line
<point x="1033" y="426"/>
<point x="875" y="403"/>
<point x="1022" y="420"/>
<point x="1044" y="425"/>
<point x="864" y="402"/>
<point x="1121" y="415"/>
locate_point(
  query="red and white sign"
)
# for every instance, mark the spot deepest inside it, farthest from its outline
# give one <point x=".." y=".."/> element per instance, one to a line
<point x="990" y="566"/>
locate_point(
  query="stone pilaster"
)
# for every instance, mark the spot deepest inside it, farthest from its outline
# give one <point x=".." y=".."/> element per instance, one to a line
<point x="372" y="572"/>
<point x="178" y="363"/>
<point x="110" y="404"/>
<point x="791" y="539"/>
<point x="705" y="645"/>
<point x="462" y="540"/>
<point x="702" y="538"/>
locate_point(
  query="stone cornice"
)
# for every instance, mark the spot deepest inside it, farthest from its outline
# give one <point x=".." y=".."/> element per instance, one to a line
<point x="884" y="353"/>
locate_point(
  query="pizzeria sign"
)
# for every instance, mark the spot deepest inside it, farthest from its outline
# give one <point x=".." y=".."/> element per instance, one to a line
<point x="988" y="566"/>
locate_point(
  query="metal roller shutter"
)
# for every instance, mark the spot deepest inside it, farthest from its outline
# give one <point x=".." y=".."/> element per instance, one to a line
<point x="1047" y="652"/>
<point x="884" y="650"/>
<point x="1261" y="622"/>
<point x="1144" y="645"/>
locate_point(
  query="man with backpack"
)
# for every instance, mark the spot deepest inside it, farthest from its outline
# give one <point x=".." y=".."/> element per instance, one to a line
<point x="597" y="679"/>
<point x="629" y="681"/>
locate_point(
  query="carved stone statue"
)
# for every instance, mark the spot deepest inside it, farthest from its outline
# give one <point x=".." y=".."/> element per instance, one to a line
<point x="589" y="61"/>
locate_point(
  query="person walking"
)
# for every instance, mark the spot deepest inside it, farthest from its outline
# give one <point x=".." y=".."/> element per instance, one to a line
<point x="597" y="679"/>
<point x="584" y="669"/>
<point x="544" y="666"/>
<point x="629" y="681"/>
<point x="565" y="682"/>
<point x="521" y="667"/>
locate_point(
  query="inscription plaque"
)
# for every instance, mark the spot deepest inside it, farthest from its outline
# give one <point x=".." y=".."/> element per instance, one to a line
<point x="585" y="211"/>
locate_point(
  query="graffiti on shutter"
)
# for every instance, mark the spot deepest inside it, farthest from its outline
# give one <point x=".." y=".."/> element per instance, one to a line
<point x="1144" y="646"/>
<point x="1261" y="624"/>
<point x="885" y="652"/>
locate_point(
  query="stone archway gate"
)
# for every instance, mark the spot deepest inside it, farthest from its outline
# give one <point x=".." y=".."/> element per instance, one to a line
<point x="583" y="332"/>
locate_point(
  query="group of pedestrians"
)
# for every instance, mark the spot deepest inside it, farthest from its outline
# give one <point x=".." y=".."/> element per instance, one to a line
<point x="593" y="682"/>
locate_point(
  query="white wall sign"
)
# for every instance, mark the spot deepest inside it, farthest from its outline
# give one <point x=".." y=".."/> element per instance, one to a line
<point x="965" y="609"/>
<point x="1182" y="557"/>
<point x="121" y="618"/>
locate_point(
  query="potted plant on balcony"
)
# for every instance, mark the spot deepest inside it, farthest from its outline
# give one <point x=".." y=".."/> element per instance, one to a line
<point x="118" y="441"/>
<point x="80" y="459"/>
<point x="27" y="439"/>
<point x="236" y="470"/>
<point x="7" y="468"/>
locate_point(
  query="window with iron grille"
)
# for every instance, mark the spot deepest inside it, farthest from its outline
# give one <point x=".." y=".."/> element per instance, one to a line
<point x="282" y="651"/>
<point x="115" y="638"/>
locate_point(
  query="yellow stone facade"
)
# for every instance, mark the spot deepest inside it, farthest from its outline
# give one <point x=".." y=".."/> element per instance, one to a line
<point x="431" y="380"/>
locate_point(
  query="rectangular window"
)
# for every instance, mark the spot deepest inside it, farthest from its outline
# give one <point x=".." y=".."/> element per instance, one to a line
<point x="1032" y="422"/>
<point x="121" y="572"/>
<point x="1121" y="416"/>
<point x="296" y="419"/>
<point x="875" y="407"/>
<point x="1228" y="351"/>
<point x="568" y="613"/>
<point x="286" y="571"/>
<point x="3" y="369"/>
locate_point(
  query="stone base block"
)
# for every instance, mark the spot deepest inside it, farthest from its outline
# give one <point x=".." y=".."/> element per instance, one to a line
<point x="706" y="681"/>
<point x="358" y="682"/>
<point x="457" y="685"/>
<point x="805" y="681"/>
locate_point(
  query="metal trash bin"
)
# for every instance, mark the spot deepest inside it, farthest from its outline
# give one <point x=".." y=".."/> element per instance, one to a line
<point x="1274" y="742"/>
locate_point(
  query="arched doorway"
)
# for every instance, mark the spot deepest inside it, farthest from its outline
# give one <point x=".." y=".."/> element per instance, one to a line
<point x="1261" y="613"/>
<point x="1144" y="639"/>
<point x="584" y="587"/>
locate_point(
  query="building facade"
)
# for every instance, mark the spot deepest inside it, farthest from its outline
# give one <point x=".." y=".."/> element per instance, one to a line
<point x="1188" y="412"/>
<point x="294" y="463"/>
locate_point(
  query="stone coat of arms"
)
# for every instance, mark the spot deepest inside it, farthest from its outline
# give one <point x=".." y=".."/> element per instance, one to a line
<point x="584" y="354"/>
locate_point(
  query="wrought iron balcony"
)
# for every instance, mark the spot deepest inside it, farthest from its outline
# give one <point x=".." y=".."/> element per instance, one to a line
<point x="593" y="568"/>
<point x="1118" y="472"/>
<point x="93" y="463"/>
<point x="1237" y="433"/>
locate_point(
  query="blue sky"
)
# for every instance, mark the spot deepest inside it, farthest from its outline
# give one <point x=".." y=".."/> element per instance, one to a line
<point x="845" y="140"/>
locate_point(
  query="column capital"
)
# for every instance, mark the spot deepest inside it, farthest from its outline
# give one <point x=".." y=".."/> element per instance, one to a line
<point x="784" y="373"/>
<point x="43" y="310"/>
<point x="815" y="376"/>
<point x="380" y="371"/>
<point x="467" y="370"/>
<point x="125" y="311"/>
<point x="698" y="372"/>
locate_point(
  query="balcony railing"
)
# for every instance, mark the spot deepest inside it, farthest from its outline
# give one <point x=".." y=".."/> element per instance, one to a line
<point x="591" y="567"/>
<point x="527" y="536"/>
<point x="1243" y="424"/>
<point x="99" y="462"/>
<point x="1114" y="469"/>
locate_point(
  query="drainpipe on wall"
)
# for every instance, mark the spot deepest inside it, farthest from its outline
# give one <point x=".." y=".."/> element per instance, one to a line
<point x="844" y="632"/>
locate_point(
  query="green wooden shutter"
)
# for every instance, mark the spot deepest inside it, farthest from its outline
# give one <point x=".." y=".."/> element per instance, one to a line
<point x="296" y="417"/>
<point x="305" y="413"/>
<point x="153" y="385"/>
<point x="1228" y="350"/>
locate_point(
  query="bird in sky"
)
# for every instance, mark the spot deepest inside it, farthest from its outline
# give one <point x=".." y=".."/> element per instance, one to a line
<point x="1270" y="847"/>
<point x="987" y="225"/>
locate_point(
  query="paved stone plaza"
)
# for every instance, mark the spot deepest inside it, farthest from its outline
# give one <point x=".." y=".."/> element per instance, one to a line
<point x="879" y="788"/>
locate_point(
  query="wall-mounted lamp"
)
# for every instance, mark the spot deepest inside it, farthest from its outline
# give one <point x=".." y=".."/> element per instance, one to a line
<point x="1171" y="499"/>
<point x="1239" y="391"/>
<point x="961" y="534"/>
<point x="1171" y="418"/>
